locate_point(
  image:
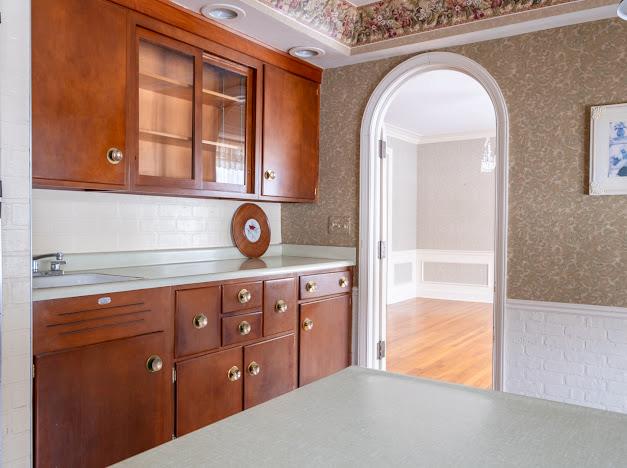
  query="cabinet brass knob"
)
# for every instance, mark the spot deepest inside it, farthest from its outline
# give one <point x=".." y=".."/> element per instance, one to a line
<point x="234" y="374"/>
<point x="254" y="368"/>
<point x="244" y="296"/>
<point x="311" y="286"/>
<point x="244" y="327"/>
<point x="343" y="282"/>
<point x="154" y="363"/>
<point x="281" y="306"/>
<point x="307" y="324"/>
<point x="269" y="174"/>
<point x="114" y="156"/>
<point x="200" y="321"/>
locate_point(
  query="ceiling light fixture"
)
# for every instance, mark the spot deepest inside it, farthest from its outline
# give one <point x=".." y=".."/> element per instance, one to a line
<point x="622" y="10"/>
<point x="222" y="12"/>
<point x="306" y="52"/>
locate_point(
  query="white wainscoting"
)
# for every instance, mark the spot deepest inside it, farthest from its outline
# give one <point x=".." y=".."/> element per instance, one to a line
<point x="415" y="285"/>
<point x="572" y="353"/>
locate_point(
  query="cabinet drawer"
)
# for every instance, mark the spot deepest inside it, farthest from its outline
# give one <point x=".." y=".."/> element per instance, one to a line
<point x="279" y="306"/>
<point x="325" y="284"/>
<point x="241" y="296"/>
<point x="240" y="328"/>
<point x="80" y="321"/>
<point x="197" y="320"/>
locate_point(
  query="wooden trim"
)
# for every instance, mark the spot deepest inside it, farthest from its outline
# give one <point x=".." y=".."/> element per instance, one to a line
<point x="198" y="25"/>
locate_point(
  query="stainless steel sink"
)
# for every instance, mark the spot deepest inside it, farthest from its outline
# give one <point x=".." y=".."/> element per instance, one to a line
<point x="76" y="279"/>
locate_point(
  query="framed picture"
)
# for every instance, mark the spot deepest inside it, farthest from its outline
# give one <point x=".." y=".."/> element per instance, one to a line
<point x="608" y="150"/>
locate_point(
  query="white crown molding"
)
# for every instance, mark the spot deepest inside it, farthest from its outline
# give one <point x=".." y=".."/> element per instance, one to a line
<point x="402" y="134"/>
<point x="464" y="136"/>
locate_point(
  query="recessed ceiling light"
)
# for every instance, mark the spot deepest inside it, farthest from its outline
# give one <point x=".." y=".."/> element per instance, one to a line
<point x="222" y="12"/>
<point x="306" y="52"/>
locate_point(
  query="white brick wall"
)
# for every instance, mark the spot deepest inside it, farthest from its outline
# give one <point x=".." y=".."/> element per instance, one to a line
<point x="80" y="222"/>
<point x="567" y="352"/>
<point x="15" y="377"/>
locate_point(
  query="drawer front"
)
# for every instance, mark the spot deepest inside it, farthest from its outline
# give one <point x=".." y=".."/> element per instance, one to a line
<point x="241" y="296"/>
<point x="208" y="388"/>
<point x="325" y="284"/>
<point x="241" y="328"/>
<point x="197" y="320"/>
<point x="79" y="321"/>
<point x="279" y="306"/>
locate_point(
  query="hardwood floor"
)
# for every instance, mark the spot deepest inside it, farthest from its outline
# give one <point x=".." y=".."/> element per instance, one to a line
<point x="441" y="340"/>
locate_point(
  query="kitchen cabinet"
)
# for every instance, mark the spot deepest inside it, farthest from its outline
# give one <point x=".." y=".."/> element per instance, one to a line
<point x="197" y="320"/>
<point x="291" y="115"/>
<point x="79" y="83"/>
<point x="99" y="404"/>
<point x="280" y="306"/>
<point x="138" y="97"/>
<point x="325" y="344"/>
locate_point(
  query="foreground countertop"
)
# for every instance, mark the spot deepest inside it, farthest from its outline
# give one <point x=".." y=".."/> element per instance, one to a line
<point x="154" y="276"/>
<point x="362" y="417"/>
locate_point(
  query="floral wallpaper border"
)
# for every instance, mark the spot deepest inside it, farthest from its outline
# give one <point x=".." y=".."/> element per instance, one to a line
<point x="387" y="19"/>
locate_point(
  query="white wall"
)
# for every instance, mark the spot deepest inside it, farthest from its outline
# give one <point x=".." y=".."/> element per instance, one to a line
<point x="80" y="222"/>
<point x="15" y="377"/>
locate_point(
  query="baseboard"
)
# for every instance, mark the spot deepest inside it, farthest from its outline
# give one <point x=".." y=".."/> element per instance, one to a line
<point x="455" y="292"/>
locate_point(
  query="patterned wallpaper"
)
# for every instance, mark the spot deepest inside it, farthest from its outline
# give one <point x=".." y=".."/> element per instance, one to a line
<point x="386" y="19"/>
<point x="564" y="245"/>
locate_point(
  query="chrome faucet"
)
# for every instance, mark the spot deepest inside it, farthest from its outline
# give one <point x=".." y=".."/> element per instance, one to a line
<point x="55" y="265"/>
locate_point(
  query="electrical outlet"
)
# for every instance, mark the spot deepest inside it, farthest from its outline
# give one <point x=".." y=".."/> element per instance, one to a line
<point x="340" y="225"/>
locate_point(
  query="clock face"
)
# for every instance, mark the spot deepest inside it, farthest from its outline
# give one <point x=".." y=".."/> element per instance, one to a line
<point x="252" y="230"/>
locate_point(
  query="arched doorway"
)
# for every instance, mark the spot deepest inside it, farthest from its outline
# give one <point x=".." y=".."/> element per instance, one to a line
<point x="373" y="204"/>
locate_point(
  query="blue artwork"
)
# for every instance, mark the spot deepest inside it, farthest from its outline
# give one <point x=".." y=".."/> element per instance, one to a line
<point x="618" y="149"/>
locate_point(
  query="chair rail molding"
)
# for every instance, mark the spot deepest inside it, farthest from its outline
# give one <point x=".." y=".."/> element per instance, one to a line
<point x="372" y="302"/>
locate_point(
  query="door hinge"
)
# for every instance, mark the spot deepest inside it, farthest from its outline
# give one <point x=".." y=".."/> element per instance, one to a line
<point x="383" y="149"/>
<point x="381" y="349"/>
<point x="33" y="371"/>
<point x="173" y="374"/>
<point x="382" y="253"/>
<point x="173" y="437"/>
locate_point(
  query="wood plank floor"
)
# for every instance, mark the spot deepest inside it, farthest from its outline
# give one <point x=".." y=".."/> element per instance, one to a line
<point x="441" y="340"/>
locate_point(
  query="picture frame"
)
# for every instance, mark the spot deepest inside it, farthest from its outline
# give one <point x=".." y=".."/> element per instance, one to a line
<point x="608" y="150"/>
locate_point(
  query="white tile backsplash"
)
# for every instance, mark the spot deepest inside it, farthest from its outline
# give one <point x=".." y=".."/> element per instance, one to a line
<point x="80" y="222"/>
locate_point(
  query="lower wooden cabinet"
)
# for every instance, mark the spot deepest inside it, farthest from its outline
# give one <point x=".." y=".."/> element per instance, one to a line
<point x="209" y="388"/>
<point x="325" y="339"/>
<point x="100" y="404"/>
<point x="270" y="369"/>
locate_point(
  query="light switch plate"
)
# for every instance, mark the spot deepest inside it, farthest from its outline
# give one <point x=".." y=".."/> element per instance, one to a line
<point x="340" y="225"/>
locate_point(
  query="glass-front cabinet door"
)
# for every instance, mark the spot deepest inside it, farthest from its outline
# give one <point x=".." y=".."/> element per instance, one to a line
<point x="226" y="129"/>
<point x="194" y="119"/>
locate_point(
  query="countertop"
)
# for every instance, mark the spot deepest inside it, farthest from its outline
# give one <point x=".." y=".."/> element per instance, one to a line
<point x="153" y="276"/>
<point x="361" y="417"/>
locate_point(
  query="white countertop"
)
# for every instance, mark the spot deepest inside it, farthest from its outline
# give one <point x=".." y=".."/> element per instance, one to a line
<point x="363" y="418"/>
<point x="154" y="276"/>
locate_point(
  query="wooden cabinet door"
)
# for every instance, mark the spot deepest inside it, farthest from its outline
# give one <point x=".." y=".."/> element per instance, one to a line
<point x="270" y="369"/>
<point x="208" y="388"/>
<point x="79" y="93"/>
<point x="291" y="120"/>
<point x="279" y="306"/>
<point x="325" y="338"/>
<point x="97" y="405"/>
<point x="197" y="320"/>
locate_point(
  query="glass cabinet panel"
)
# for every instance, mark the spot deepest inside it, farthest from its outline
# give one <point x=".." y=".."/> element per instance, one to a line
<point x="224" y="126"/>
<point x="166" y="111"/>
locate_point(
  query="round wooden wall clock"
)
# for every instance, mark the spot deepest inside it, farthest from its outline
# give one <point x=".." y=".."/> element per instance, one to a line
<point x="250" y="230"/>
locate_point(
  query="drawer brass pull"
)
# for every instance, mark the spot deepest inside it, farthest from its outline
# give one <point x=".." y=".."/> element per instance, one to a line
<point x="154" y="363"/>
<point x="114" y="156"/>
<point x="307" y="324"/>
<point x="254" y="368"/>
<point x="201" y="321"/>
<point x="311" y="286"/>
<point x="244" y="296"/>
<point x="244" y="327"/>
<point x="234" y="374"/>
<point x="343" y="282"/>
<point x="281" y="306"/>
<point x="269" y="174"/>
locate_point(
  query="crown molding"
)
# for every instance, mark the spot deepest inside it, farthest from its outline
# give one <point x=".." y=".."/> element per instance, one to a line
<point x="402" y="134"/>
<point x="419" y="139"/>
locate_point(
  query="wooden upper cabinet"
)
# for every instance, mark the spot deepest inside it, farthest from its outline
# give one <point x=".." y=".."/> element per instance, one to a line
<point x="291" y="120"/>
<point x="79" y="82"/>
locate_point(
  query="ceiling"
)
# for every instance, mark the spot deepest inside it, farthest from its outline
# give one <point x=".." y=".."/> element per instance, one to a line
<point x="357" y="30"/>
<point x="442" y="103"/>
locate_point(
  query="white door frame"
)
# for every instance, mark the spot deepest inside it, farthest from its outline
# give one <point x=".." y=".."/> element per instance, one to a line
<point x="371" y="279"/>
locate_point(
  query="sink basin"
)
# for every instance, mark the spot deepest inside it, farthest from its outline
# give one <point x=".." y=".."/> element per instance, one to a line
<point x="77" y="279"/>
